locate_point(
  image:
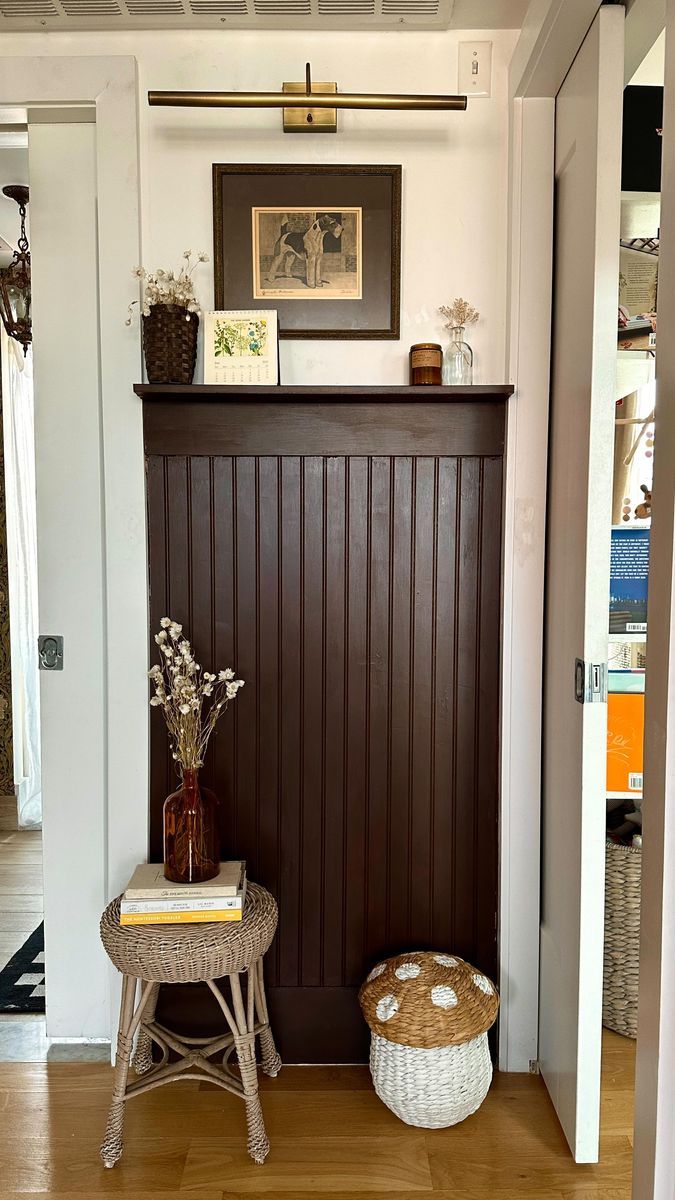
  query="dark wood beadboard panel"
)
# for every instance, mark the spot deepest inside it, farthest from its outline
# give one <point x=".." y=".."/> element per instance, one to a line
<point x="359" y="597"/>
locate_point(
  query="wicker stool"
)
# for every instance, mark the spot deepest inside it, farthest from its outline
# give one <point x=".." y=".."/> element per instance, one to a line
<point x="429" y="1055"/>
<point x="190" y="954"/>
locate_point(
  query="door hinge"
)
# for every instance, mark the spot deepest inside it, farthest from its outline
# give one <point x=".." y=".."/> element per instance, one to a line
<point x="590" y="682"/>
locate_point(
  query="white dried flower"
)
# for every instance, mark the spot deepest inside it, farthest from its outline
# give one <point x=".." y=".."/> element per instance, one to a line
<point x="165" y="622"/>
<point x="185" y="708"/>
<point x="155" y="700"/>
<point x="226" y="675"/>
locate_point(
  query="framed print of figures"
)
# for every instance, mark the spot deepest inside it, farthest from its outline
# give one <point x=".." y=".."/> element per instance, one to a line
<point x="321" y="245"/>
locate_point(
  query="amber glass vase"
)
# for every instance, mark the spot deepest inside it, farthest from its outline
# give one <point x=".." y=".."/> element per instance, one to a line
<point x="191" y="837"/>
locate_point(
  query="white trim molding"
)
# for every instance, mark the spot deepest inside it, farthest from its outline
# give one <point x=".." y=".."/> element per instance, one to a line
<point x="530" y="288"/>
<point x="108" y="87"/>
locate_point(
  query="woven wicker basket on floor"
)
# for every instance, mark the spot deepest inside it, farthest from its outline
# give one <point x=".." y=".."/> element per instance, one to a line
<point x="170" y="343"/>
<point x="429" y="1056"/>
<point x="622" y="938"/>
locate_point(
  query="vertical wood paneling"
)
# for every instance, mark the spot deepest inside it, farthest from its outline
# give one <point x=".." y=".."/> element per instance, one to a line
<point x="445" y="703"/>
<point x="158" y="542"/>
<point x="313" y="696"/>
<point x="356" y="660"/>
<point x="335" y="558"/>
<point x="420" y="861"/>
<point x="268" y="712"/>
<point x="221" y="522"/>
<point x="379" y="743"/>
<point x="466" y="661"/>
<point x="400" y="700"/>
<point x="359" y="598"/>
<point x="290" y="693"/>
<point x="245" y="658"/>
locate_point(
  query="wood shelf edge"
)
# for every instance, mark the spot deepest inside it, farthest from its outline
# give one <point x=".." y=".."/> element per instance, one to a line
<point x="210" y="391"/>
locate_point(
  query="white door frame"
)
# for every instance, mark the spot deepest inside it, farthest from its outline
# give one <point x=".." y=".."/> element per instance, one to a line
<point x="542" y="58"/>
<point x="551" y="36"/>
<point x="654" y="1161"/>
<point x="109" y="86"/>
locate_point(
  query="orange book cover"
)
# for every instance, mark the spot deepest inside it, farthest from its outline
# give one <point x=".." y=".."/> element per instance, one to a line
<point x="625" y="737"/>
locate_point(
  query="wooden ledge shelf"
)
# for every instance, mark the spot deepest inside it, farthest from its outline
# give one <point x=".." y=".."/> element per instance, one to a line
<point x="382" y="393"/>
<point x="209" y="420"/>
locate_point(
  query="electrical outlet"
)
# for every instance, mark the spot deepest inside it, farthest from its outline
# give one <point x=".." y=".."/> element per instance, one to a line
<point x="475" y="68"/>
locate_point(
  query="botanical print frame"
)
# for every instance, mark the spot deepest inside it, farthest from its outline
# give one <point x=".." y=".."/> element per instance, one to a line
<point x="321" y="244"/>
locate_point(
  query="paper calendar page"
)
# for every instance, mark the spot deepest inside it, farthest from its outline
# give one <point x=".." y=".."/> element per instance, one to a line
<point x="241" y="347"/>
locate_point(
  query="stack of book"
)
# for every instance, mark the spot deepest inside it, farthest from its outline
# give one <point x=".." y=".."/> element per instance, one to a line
<point x="150" y="899"/>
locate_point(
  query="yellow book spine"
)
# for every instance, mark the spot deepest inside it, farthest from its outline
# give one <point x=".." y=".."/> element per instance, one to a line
<point x="180" y="918"/>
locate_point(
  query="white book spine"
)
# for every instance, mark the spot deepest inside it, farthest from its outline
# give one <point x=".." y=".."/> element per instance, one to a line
<point x="185" y="904"/>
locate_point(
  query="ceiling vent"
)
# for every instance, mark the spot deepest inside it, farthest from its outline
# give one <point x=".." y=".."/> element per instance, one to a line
<point x="233" y="14"/>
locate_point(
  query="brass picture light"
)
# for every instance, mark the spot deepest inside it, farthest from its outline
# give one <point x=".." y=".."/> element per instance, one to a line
<point x="308" y="107"/>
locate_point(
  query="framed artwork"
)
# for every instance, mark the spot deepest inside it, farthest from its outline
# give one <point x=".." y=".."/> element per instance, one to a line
<point x="320" y="244"/>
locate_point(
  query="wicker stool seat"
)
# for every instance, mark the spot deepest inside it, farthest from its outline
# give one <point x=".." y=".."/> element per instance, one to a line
<point x="155" y="954"/>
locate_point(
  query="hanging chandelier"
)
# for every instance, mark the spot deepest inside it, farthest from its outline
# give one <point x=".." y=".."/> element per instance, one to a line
<point x="15" y="278"/>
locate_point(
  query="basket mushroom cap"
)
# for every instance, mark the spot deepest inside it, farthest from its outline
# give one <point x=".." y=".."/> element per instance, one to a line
<point x="428" y="999"/>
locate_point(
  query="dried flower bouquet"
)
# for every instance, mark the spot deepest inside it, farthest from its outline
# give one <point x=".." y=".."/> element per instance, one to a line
<point x="459" y="314"/>
<point x="169" y="287"/>
<point x="191" y="698"/>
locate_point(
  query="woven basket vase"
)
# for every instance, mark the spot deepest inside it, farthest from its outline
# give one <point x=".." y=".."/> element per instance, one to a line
<point x="170" y="343"/>
<point x="623" y="876"/>
<point x="429" y="1056"/>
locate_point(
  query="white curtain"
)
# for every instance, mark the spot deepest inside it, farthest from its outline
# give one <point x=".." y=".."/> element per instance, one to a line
<point x="19" y="442"/>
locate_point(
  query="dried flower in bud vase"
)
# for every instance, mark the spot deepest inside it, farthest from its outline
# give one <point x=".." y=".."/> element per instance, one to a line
<point x="459" y="314"/>
<point x="191" y="698"/>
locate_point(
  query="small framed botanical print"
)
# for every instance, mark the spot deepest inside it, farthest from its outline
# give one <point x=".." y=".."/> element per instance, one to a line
<point x="320" y="244"/>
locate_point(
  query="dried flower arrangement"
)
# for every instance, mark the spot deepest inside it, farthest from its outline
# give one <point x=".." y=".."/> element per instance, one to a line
<point x="182" y="689"/>
<point x="459" y="314"/>
<point x="169" y="287"/>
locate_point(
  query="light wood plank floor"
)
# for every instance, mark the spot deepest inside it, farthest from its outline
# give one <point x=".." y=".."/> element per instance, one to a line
<point x="21" y="901"/>
<point x="329" y="1132"/>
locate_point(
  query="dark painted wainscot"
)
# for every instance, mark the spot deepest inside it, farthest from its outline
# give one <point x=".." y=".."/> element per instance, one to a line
<point x="341" y="548"/>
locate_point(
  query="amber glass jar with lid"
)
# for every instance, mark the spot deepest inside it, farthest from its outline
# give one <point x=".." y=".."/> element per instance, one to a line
<point x="426" y="364"/>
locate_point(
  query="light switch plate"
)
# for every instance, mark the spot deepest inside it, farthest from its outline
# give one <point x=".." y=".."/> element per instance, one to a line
<point x="475" y="68"/>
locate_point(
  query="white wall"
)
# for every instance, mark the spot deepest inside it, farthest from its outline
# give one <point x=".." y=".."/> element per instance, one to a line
<point x="455" y="168"/>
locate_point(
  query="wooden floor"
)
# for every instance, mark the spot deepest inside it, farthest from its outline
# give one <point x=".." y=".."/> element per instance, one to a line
<point x="329" y="1132"/>
<point x="21" y="903"/>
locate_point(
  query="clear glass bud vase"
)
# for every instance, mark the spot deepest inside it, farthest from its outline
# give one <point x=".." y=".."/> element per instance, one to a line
<point x="458" y="360"/>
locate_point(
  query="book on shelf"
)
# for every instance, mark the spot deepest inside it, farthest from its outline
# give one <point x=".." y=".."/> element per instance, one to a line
<point x="177" y="904"/>
<point x="148" y="883"/>
<point x="181" y="918"/>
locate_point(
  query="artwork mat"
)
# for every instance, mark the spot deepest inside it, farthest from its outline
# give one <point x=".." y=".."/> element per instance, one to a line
<point x="377" y="189"/>
<point x="270" y="292"/>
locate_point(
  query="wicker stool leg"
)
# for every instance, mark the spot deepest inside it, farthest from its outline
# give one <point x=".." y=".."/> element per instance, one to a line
<point x="142" y="1060"/>
<point x="258" y="1143"/>
<point x="271" y="1060"/>
<point x="112" y="1146"/>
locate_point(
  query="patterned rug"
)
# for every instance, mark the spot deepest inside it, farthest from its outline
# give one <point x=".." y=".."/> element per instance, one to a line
<point x="22" y="981"/>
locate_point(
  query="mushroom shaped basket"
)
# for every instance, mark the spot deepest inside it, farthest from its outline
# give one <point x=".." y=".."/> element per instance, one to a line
<point x="429" y="1014"/>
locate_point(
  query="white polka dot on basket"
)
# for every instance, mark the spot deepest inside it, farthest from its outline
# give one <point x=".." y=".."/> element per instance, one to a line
<point x="428" y="999"/>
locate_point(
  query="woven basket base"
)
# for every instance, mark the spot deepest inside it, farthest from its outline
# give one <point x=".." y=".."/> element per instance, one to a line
<point x="431" y="1089"/>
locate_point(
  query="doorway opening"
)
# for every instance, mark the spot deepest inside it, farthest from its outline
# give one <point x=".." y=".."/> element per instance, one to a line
<point x="634" y="441"/>
<point x="22" y="970"/>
